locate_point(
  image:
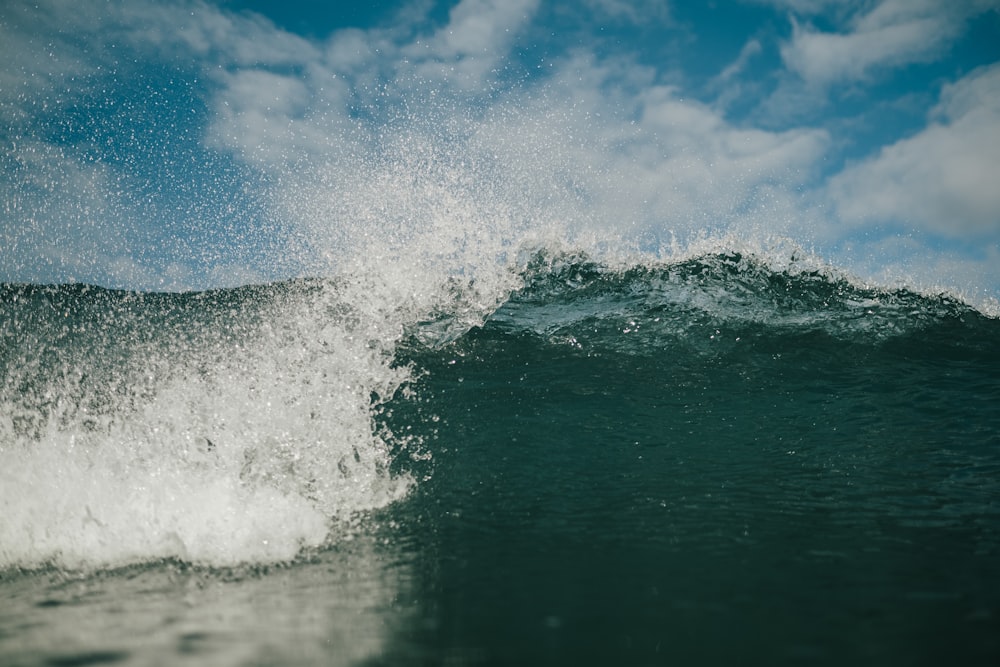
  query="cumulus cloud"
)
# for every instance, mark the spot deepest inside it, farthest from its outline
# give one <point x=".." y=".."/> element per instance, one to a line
<point x="941" y="180"/>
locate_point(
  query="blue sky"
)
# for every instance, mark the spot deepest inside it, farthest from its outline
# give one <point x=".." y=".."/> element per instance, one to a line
<point x="184" y="145"/>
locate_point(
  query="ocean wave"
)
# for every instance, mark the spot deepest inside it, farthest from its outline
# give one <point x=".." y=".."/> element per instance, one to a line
<point x="247" y="425"/>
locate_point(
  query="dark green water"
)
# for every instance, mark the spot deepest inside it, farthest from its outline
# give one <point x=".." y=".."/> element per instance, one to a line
<point x="709" y="462"/>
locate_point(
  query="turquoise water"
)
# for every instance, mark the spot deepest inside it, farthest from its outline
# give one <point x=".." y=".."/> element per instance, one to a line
<point x="713" y="460"/>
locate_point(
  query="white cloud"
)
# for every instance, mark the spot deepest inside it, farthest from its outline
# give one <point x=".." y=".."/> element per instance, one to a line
<point x="616" y="153"/>
<point x="750" y="49"/>
<point x="257" y="113"/>
<point x="893" y="33"/>
<point x="867" y="43"/>
<point x="729" y="86"/>
<point x="193" y="28"/>
<point x="942" y="180"/>
<point x="481" y="27"/>
<point x="274" y="118"/>
<point x="473" y="42"/>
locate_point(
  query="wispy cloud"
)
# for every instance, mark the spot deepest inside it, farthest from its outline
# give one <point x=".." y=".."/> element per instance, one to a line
<point x="886" y="35"/>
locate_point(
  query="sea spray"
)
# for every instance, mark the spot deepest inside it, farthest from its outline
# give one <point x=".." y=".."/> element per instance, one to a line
<point x="237" y="425"/>
<point x="217" y="428"/>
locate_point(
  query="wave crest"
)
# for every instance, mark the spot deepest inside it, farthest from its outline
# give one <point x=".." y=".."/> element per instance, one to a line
<point x="731" y="295"/>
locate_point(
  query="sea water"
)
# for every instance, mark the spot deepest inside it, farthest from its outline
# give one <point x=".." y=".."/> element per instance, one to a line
<point x="729" y="455"/>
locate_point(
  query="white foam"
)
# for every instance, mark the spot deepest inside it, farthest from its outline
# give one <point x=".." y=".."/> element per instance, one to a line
<point x="77" y="510"/>
<point x="228" y="452"/>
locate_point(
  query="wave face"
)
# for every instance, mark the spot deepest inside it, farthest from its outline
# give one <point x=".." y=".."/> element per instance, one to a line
<point x="248" y="425"/>
<point x="716" y="460"/>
